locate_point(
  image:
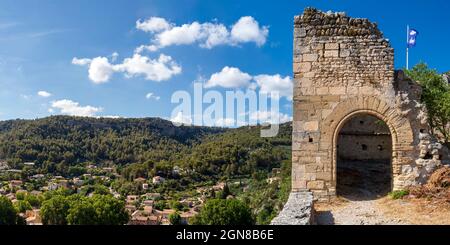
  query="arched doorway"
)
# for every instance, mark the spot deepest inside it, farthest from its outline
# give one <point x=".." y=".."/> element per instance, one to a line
<point x="364" y="158"/>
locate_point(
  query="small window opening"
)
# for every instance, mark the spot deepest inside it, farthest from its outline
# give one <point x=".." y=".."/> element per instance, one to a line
<point x="364" y="147"/>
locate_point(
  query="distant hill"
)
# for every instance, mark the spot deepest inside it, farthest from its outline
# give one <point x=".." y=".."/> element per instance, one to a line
<point x="56" y="143"/>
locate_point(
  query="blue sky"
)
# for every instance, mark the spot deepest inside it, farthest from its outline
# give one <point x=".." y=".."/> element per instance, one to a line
<point x="40" y="39"/>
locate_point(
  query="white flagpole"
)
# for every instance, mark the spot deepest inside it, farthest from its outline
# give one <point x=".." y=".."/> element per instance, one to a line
<point x="407" y="47"/>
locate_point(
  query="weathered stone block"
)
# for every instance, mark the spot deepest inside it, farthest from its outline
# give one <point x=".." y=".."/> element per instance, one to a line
<point x="337" y="90"/>
<point x="316" y="185"/>
<point x="331" y="53"/>
<point x="322" y="90"/>
<point x="332" y="46"/>
<point x="310" y="57"/>
<point x="344" y="53"/>
<point x="311" y="126"/>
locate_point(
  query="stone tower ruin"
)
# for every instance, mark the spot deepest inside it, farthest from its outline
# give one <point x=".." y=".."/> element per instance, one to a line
<point x="345" y="83"/>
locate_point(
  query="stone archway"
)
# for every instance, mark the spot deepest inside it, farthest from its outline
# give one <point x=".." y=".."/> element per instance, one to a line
<point x="363" y="158"/>
<point x="399" y="127"/>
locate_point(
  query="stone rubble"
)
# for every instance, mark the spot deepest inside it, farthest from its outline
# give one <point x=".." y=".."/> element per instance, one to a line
<point x="299" y="210"/>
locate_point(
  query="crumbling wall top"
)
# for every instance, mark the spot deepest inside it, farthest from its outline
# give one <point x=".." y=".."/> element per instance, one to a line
<point x="318" y="23"/>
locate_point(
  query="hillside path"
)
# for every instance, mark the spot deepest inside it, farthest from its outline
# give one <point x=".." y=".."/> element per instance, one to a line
<point x="354" y="212"/>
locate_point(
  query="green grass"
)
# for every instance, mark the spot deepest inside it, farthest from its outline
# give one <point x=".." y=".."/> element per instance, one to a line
<point x="398" y="194"/>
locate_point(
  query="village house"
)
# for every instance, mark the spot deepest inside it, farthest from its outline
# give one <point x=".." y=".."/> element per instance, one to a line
<point x="148" y="210"/>
<point x="15" y="184"/>
<point x="186" y="217"/>
<point x="190" y="202"/>
<point x="57" y="183"/>
<point x="131" y="208"/>
<point x="3" y="165"/>
<point x="151" y="196"/>
<point x="114" y="193"/>
<point x="164" y="215"/>
<point x="11" y="196"/>
<point x="140" y="179"/>
<point x="141" y="218"/>
<point x="77" y="182"/>
<point x="219" y="186"/>
<point x="148" y="203"/>
<point x="273" y="179"/>
<point x="37" y="176"/>
<point x="132" y="200"/>
<point x="87" y="176"/>
<point x="14" y="171"/>
<point x="36" y="193"/>
<point x="33" y="217"/>
<point x="108" y="170"/>
<point x="158" y="180"/>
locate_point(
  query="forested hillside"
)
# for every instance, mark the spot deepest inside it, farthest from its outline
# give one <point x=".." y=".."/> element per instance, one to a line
<point x="56" y="143"/>
<point x="122" y="152"/>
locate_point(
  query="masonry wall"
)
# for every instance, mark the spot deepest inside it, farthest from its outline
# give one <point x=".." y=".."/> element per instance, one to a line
<point x="345" y="67"/>
<point x="364" y="138"/>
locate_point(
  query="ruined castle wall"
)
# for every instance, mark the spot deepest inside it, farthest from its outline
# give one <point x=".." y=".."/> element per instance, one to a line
<point x="344" y="67"/>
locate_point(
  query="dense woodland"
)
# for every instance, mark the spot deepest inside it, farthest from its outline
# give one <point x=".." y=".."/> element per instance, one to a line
<point x="59" y="144"/>
<point x="144" y="148"/>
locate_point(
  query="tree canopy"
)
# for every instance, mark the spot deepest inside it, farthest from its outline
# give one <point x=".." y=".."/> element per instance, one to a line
<point x="224" y="212"/>
<point x="436" y="97"/>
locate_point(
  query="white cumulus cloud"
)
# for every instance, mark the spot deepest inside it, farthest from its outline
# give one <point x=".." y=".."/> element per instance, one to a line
<point x="181" y="119"/>
<point x="81" y="62"/>
<point x="247" y="29"/>
<point x="101" y="70"/>
<point x="272" y="117"/>
<point x="44" y="94"/>
<point x="152" y="96"/>
<point x="73" y="108"/>
<point x="275" y="83"/>
<point x="232" y="77"/>
<point x="160" y="69"/>
<point x="229" y="77"/>
<point x="206" y="35"/>
<point x="153" y="24"/>
<point x="225" y="122"/>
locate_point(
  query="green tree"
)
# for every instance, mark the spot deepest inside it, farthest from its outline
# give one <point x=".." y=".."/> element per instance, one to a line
<point x="8" y="214"/>
<point x="82" y="212"/>
<point x="160" y="205"/>
<point x="21" y="195"/>
<point x="176" y="205"/>
<point x="22" y="206"/>
<point x="33" y="200"/>
<point x="224" y="212"/>
<point x="175" y="219"/>
<point x="436" y="97"/>
<point x="109" y="210"/>
<point x="54" y="211"/>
